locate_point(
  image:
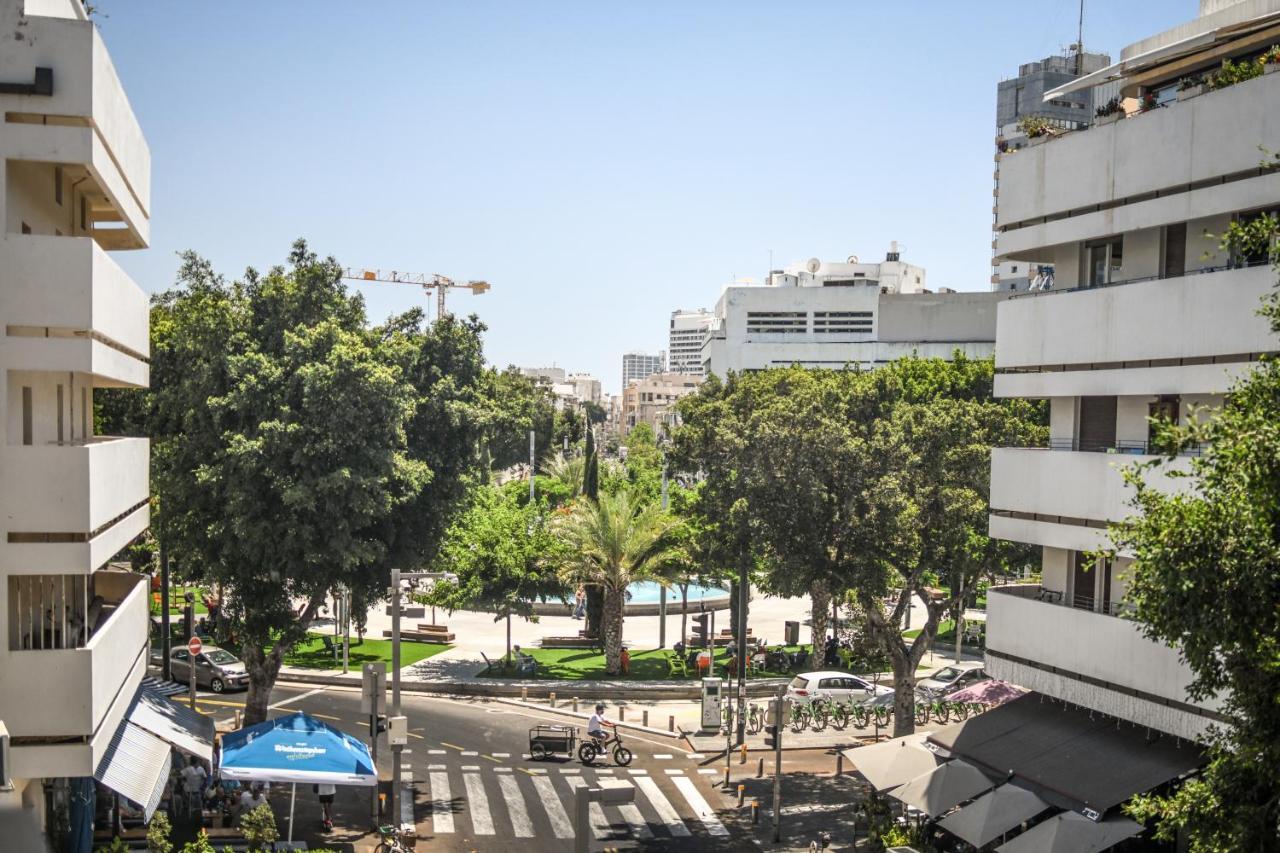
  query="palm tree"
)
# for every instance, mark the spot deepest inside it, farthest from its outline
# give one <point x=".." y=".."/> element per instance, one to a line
<point x="614" y="541"/>
<point x="565" y="469"/>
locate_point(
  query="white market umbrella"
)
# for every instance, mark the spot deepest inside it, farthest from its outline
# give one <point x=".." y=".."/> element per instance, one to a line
<point x="993" y="814"/>
<point x="890" y="763"/>
<point x="1070" y="832"/>
<point x="943" y="787"/>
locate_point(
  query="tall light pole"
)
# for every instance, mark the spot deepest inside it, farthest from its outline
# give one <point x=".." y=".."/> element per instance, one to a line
<point x="662" y="588"/>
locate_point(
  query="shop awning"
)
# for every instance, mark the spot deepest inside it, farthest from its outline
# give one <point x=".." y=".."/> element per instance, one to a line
<point x="136" y="766"/>
<point x="1071" y="833"/>
<point x="176" y="724"/>
<point x="943" y="787"/>
<point x="1066" y="755"/>
<point x="892" y="762"/>
<point x="993" y="814"/>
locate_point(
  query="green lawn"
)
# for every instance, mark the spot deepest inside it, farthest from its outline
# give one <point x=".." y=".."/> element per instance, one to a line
<point x="176" y="601"/>
<point x="946" y="633"/>
<point x="580" y="664"/>
<point x="311" y="654"/>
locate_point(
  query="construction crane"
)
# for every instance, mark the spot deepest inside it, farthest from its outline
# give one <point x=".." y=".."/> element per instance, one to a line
<point x="427" y="281"/>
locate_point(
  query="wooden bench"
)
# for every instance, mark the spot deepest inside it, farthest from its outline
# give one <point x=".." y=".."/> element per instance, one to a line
<point x="421" y="636"/>
<point x="442" y="631"/>
<point x="578" y="642"/>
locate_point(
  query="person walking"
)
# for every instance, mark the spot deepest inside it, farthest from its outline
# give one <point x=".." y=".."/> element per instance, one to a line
<point x="326" y="793"/>
<point x="580" y="602"/>
<point x="193" y="778"/>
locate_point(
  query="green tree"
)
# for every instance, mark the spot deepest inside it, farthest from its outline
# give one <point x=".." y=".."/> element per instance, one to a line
<point x="1204" y="579"/>
<point x="295" y="449"/>
<point x="504" y="557"/>
<point x="612" y="542"/>
<point x="515" y="404"/>
<point x="158" y="831"/>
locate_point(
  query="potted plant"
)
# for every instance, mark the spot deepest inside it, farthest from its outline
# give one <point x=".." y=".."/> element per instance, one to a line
<point x="1190" y="87"/>
<point x="1149" y="102"/>
<point x="1271" y="60"/>
<point x="1037" y="128"/>
<point x="1109" y="112"/>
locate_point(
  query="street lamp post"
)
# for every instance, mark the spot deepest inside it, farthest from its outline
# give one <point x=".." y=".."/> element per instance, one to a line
<point x="662" y="589"/>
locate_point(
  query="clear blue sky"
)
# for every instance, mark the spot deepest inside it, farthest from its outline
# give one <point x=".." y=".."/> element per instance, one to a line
<point x="600" y="163"/>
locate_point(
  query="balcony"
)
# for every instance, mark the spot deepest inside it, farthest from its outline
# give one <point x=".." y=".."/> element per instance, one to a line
<point x="1188" y="160"/>
<point x="1093" y="659"/>
<point x="76" y="505"/>
<point x="1064" y="499"/>
<point x="87" y="120"/>
<point x="1192" y="334"/>
<point x="69" y="692"/>
<point x="69" y="307"/>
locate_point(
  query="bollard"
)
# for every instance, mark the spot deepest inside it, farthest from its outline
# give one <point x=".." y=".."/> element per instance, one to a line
<point x="575" y="704"/>
<point x="743" y="759"/>
<point x="727" y="783"/>
<point x="760" y="769"/>
<point x="237" y="719"/>
<point x="645" y="717"/>
<point x="742" y="795"/>
<point x="524" y="694"/>
<point x="552" y="700"/>
<point x="671" y="723"/>
<point x="622" y="713"/>
<point x="382" y="803"/>
<point x="755" y="811"/>
<point x="839" y="763"/>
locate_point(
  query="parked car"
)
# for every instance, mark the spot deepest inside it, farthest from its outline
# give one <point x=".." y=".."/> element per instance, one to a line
<point x="216" y="668"/>
<point x="955" y="677"/>
<point x="840" y="686"/>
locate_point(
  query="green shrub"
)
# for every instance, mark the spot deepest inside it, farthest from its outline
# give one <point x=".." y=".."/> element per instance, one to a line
<point x="1034" y="126"/>
<point x="1232" y="73"/>
<point x="259" y="827"/>
<point x="158" y="834"/>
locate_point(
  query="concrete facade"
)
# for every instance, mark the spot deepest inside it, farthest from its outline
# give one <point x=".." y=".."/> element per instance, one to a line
<point x="76" y="185"/>
<point x="652" y="400"/>
<point x="638" y="365"/>
<point x="686" y="332"/>
<point x="837" y="315"/>
<point x="1147" y="319"/>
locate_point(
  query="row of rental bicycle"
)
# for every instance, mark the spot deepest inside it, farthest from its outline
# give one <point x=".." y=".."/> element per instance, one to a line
<point x="820" y="713"/>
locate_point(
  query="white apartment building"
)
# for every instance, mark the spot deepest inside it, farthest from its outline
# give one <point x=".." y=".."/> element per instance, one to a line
<point x="585" y="387"/>
<point x="685" y="333"/>
<point x="73" y="633"/>
<point x="1147" y="318"/>
<point x="834" y="315"/>
<point x="652" y="400"/>
<point x="638" y="365"/>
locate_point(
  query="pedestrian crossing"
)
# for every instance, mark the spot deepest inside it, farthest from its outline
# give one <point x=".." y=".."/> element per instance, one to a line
<point x="164" y="688"/>
<point x="539" y="803"/>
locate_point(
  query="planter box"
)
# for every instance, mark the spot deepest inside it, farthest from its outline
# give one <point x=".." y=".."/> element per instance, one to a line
<point x="1114" y="117"/>
<point x="1039" y="140"/>
<point x="1194" y="91"/>
<point x="1271" y="68"/>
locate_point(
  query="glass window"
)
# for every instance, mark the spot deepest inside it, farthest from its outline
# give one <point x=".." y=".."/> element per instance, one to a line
<point x="221" y="656"/>
<point x="180" y="654"/>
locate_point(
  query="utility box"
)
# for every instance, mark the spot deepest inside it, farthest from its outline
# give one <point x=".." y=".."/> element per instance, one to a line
<point x="712" y="702"/>
<point x="791" y="633"/>
<point x="398" y="731"/>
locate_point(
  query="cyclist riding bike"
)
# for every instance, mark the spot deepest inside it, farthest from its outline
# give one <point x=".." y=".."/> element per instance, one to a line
<point x="596" y="726"/>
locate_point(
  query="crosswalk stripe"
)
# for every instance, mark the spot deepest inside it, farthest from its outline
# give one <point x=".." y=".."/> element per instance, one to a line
<point x="663" y="757"/>
<point x="700" y="808"/>
<point x="520" y="822"/>
<point x="551" y="803"/>
<point x="635" y="821"/>
<point x="502" y="755"/>
<point x="441" y="802"/>
<point x="436" y="752"/>
<point x="600" y="825"/>
<point x="481" y="819"/>
<point x="671" y="771"/>
<point x="666" y="812"/>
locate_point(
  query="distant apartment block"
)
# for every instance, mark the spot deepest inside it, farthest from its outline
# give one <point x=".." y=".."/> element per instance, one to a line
<point x="652" y="400"/>
<point x="638" y="365"/>
<point x="685" y="334"/>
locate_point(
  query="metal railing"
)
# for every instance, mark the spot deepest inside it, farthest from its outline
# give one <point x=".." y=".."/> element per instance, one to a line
<point x="1125" y="447"/>
<point x="1118" y="609"/>
<point x="1079" y="288"/>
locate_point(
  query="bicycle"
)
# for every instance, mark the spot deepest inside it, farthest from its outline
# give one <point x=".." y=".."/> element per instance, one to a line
<point x="882" y="714"/>
<point x="819" y="713"/>
<point x="861" y="716"/>
<point x="840" y="714"/>
<point x="801" y="716"/>
<point x="590" y="749"/>
<point x="755" y="719"/>
<point x="391" y="841"/>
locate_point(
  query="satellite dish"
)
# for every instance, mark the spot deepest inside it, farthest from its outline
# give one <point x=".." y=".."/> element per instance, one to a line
<point x="813" y="265"/>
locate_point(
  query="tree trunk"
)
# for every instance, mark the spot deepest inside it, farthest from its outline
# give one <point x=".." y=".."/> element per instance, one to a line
<point x="595" y="610"/>
<point x="612" y="625"/>
<point x="885" y="627"/>
<point x="263" y="666"/>
<point x="820" y="596"/>
<point x="733" y="608"/>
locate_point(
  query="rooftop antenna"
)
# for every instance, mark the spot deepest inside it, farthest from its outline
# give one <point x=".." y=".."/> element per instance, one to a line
<point x="1080" y="41"/>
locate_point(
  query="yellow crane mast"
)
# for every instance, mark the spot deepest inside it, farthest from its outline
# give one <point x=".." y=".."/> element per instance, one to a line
<point x="427" y="281"/>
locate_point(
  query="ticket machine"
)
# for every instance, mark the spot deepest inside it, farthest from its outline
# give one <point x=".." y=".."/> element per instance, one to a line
<point x="712" y="702"/>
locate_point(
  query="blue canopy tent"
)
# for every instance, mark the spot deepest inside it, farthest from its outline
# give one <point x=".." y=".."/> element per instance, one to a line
<point x="296" y="748"/>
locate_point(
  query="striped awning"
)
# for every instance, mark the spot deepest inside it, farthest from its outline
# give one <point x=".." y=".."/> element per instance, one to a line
<point x="182" y="727"/>
<point x="136" y="766"/>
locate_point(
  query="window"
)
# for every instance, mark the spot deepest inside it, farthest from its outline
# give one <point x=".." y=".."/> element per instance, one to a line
<point x="1013" y="268"/>
<point x="180" y="654"/>
<point x="61" y="437"/>
<point x="842" y="322"/>
<point x="1174" y="260"/>
<point x="1104" y="261"/>
<point x="26" y="415"/>
<point x="26" y="229"/>
<point x="84" y="413"/>
<point x="777" y="322"/>
<point x="57" y="185"/>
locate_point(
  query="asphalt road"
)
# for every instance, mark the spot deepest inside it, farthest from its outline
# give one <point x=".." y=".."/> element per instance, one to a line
<point x="477" y="788"/>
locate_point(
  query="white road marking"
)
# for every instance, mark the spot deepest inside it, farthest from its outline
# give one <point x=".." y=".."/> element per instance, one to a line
<point x="666" y="812"/>
<point x="700" y="808"/>
<point x="671" y="772"/>
<point x="696" y="756"/>
<point x="441" y="803"/>
<point x="639" y="772"/>
<point x="469" y="753"/>
<point x="297" y="698"/>
<point x="437" y="767"/>
<point x="570" y="769"/>
<point x="478" y="800"/>
<point x="665" y="756"/>
<point x="708" y="771"/>
<point x="520" y="822"/>
<point x="631" y="814"/>
<point x="435" y="752"/>
<point x="604" y="771"/>
<point x="501" y="755"/>
<point x="551" y="803"/>
<point x="600" y="825"/>
<point x="503" y="770"/>
<point x="540" y="771"/>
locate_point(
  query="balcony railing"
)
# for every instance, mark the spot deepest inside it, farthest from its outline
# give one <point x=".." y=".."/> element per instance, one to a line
<point x="1124" y="447"/>
<point x="1050" y="291"/>
<point x="1118" y="609"/>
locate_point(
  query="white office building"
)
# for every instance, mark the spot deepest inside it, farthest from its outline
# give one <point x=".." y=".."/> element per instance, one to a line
<point x="842" y="314"/>
<point x="1147" y="318"/>
<point x="638" y="365"/>
<point x="73" y="633"/>
<point x="685" y="334"/>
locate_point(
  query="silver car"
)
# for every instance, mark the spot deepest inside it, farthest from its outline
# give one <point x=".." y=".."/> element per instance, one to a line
<point x="216" y="669"/>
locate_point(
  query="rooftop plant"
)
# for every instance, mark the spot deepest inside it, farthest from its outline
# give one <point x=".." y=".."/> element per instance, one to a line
<point x="1111" y="107"/>
<point x="1035" y="126"/>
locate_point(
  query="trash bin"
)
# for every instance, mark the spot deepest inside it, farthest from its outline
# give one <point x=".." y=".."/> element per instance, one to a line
<point x="791" y="631"/>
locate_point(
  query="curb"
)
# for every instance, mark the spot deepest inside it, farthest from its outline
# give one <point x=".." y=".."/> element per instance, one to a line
<point x="494" y="688"/>
<point x="676" y="735"/>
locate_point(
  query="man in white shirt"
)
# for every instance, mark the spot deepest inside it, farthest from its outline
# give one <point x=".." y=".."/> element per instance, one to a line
<point x="193" y="779"/>
<point x="596" y="726"/>
<point x="326" y="793"/>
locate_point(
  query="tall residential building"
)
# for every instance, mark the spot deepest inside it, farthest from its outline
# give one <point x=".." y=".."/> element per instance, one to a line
<point x="1148" y="319"/>
<point x="73" y="633"/>
<point x="652" y="400"/>
<point x="1023" y="96"/>
<point x="684" y="347"/>
<point x="833" y="315"/>
<point x="638" y="365"/>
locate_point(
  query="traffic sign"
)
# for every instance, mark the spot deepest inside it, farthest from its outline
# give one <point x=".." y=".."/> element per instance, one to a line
<point x="194" y="646"/>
